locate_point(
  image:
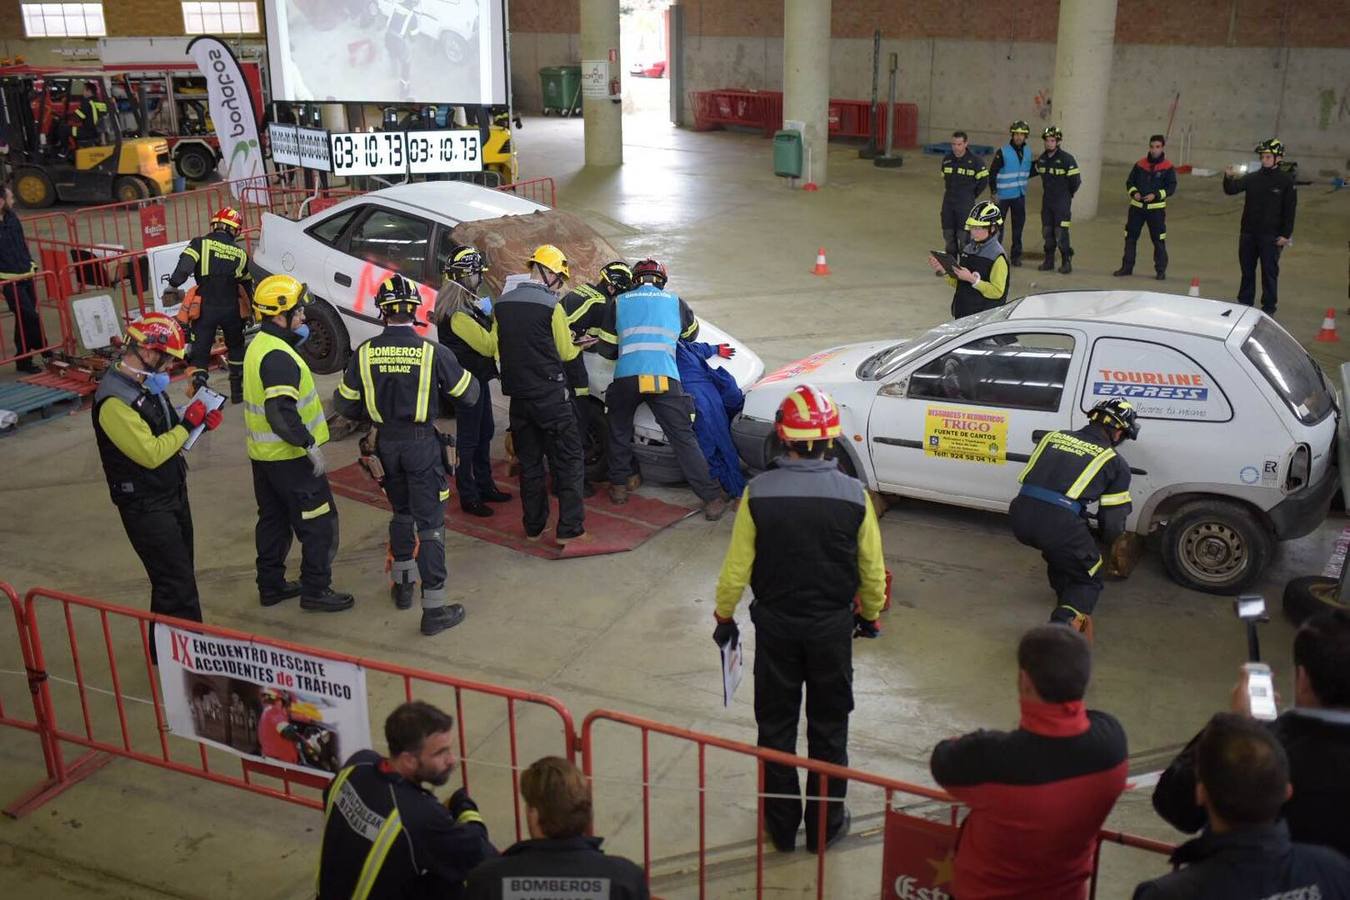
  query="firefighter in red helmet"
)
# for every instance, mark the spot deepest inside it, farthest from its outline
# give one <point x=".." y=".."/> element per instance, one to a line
<point x="806" y="541"/>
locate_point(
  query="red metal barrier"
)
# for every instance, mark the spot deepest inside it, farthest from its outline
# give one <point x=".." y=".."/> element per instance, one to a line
<point x="703" y="743"/>
<point x="113" y="729"/>
<point x="539" y="190"/>
<point x="43" y="289"/>
<point x="747" y="109"/>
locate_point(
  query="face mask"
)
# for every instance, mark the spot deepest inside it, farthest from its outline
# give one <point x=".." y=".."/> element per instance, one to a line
<point x="301" y="332"/>
<point x="485" y="305"/>
<point x="157" y="382"/>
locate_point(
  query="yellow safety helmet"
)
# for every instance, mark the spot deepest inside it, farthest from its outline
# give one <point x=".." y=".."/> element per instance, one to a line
<point x="551" y="258"/>
<point x="277" y="294"/>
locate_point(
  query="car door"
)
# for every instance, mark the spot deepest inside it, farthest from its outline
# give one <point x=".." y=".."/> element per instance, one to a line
<point x="957" y="425"/>
<point x="380" y="241"/>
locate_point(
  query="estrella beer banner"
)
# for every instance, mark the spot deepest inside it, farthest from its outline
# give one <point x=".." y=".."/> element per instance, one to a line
<point x="231" y="104"/>
<point x="918" y="856"/>
<point x="262" y="702"/>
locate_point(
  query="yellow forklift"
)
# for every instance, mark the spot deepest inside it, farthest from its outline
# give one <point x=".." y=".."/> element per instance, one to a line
<point x="55" y="154"/>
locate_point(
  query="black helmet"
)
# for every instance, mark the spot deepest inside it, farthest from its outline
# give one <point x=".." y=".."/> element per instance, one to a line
<point x="1019" y="127"/>
<point x="1271" y="145"/>
<point x="1116" y="413"/>
<point x="1052" y="131"/>
<point x="617" y="275"/>
<point x="984" y="215"/>
<point x="465" y="261"/>
<point x="396" y="296"/>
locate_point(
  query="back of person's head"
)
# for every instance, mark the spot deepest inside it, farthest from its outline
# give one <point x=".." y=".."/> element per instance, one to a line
<point x="1058" y="661"/>
<point x="1322" y="649"/>
<point x="560" y="796"/>
<point x="411" y="724"/>
<point x="1243" y="770"/>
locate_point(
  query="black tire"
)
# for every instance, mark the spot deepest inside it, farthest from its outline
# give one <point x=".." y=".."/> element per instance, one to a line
<point x="1216" y="546"/>
<point x="597" y="432"/>
<point x="195" y="162"/>
<point x="127" y="188"/>
<point x="329" y="345"/>
<point x="1309" y="595"/>
<point x="33" y="188"/>
<point x="455" y="48"/>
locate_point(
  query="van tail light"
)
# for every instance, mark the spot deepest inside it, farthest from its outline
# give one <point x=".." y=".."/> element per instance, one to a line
<point x="1300" y="469"/>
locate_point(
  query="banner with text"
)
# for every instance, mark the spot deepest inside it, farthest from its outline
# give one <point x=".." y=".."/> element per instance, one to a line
<point x="278" y="707"/>
<point x="231" y="105"/>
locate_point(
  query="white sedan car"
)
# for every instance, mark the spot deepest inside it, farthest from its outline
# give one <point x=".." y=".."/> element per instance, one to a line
<point x="1238" y="423"/>
<point x="345" y="251"/>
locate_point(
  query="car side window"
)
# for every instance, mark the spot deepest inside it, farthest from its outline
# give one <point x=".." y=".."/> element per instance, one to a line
<point x="330" y="229"/>
<point x="1020" y="371"/>
<point x="393" y="240"/>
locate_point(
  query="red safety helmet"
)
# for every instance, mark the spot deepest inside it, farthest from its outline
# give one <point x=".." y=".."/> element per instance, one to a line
<point x="650" y="271"/>
<point x="158" y="332"/>
<point x="807" y="414"/>
<point x="228" y="215"/>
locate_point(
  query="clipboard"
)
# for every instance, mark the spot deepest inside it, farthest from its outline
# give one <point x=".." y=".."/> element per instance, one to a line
<point x="946" y="259"/>
<point x="212" y="401"/>
<point x="733" y="668"/>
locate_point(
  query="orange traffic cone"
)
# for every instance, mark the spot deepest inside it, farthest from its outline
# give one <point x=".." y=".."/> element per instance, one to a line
<point x="1195" y="288"/>
<point x="1328" y="333"/>
<point x="822" y="268"/>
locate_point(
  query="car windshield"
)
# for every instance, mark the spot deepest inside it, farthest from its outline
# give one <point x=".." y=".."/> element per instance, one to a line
<point x="881" y="365"/>
<point x="1291" y="372"/>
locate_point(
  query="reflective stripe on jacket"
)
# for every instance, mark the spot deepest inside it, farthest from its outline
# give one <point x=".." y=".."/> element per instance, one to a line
<point x="264" y="444"/>
<point x="648" y="328"/>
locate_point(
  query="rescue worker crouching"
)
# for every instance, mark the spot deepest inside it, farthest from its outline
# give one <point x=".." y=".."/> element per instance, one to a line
<point x="140" y="440"/>
<point x="285" y="430"/>
<point x="396" y="380"/>
<point x="1151" y="181"/>
<point x="1067" y="472"/>
<point x="224" y="292"/>
<point x="641" y="330"/>
<point x="1060" y="180"/>
<point x="465" y="325"/>
<point x="806" y="541"/>
<point x="981" y="274"/>
<point x="586" y="307"/>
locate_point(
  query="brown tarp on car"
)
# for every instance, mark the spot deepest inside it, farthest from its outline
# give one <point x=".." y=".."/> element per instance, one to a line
<point x="510" y="240"/>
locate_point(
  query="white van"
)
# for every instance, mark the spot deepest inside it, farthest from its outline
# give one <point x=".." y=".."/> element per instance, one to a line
<point x="1239" y="425"/>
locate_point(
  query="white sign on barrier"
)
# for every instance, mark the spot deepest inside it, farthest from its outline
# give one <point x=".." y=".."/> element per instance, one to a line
<point x="261" y="702"/>
<point x="97" y="321"/>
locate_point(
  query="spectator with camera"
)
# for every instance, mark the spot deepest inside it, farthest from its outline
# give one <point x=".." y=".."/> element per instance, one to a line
<point x="1245" y="852"/>
<point x="1315" y="736"/>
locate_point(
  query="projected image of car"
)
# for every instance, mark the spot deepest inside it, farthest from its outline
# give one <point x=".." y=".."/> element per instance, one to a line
<point x="345" y="251"/>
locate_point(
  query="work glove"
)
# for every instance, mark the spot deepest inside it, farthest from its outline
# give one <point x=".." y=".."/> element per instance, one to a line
<point x="213" y="419"/>
<point x="460" y="802"/>
<point x="863" y="628"/>
<point x="726" y="632"/>
<point x="315" y="454"/>
<point x="194" y="415"/>
<point x="726" y="351"/>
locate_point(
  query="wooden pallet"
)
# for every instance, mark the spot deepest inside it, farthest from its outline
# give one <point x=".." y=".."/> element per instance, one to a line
<point x="26" y="399"/>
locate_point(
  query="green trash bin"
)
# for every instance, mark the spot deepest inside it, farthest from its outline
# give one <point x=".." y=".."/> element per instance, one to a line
<point x="787" y="154"/>
<point x="561" y="89"/>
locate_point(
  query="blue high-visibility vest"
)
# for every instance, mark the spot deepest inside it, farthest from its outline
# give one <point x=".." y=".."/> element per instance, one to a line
<point x="1013" y="177"/>
<point x="648" y="323"/>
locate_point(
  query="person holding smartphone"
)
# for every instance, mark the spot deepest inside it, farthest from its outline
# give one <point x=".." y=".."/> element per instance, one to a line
<point x="980" y="274"/>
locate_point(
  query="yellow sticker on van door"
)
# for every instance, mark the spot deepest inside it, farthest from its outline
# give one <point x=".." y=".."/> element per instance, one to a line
<point x="967" y="435"/>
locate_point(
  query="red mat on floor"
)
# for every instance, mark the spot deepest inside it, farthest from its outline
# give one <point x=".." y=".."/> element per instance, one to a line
<point x="612" y="529"/>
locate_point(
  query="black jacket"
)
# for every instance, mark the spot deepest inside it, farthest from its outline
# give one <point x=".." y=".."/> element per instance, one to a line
<point x="1270" y="204"/>
<point x="1258" y="863"/>
<point x="527" y="346"/>
<point x="561" y="869"/>
<point x="1075" y="464"/>
<point x="220" y="267"/>
<point x="963" y="179"/>
<point x="398" y="376"/>
<point x="162" y="487"/>
<point x="15" y="260"/>
<point x="1060" y="178"/>
<point x="1151" y="176"/>
<point x="1317" y="743"/>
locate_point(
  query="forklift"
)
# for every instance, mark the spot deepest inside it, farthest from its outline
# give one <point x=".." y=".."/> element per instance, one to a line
<point x="37" y="112"/>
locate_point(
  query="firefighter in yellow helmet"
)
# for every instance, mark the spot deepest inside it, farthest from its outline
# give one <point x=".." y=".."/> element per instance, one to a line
<point x="980" y="275"/>
<point x="285" y="429"/>
<point x="534" y="343"/>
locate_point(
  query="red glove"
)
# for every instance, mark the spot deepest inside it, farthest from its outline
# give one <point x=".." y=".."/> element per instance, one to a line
<point x="726" y="351"/>
<point x="194" y="415"/>
<point x="213" y="419"/>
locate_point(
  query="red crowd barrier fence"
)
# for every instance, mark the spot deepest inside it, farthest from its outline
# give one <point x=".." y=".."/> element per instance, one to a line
<point x="113" y="707"/>
<point x="30" y="304"/>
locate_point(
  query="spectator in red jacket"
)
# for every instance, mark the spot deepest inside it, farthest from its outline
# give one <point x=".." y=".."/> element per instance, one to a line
<point x="1037" y="795"/>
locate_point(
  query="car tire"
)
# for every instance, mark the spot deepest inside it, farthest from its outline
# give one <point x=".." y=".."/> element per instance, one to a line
<point x="33" y="188"/>
<point x="455" y="48"/>
<point x="1216" y="546"/>
<point x="195" y="162"/>
<point x="597" y="430"/>
<point x="129" y="188"/>
<point x="329" y="345"/>
<point x="1309" y="595"/>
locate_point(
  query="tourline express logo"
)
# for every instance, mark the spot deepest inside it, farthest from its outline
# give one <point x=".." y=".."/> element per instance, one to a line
<point x="1151" y="385"/>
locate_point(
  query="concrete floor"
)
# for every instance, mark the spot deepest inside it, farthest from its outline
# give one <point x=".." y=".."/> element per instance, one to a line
<point x="632" y="632"/>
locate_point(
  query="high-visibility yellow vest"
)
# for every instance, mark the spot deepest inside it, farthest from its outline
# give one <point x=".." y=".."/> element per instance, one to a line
<point x="264" y="444"/>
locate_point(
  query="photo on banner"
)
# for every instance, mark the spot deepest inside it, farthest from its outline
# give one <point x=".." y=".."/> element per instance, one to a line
<point x="260" y="702"/>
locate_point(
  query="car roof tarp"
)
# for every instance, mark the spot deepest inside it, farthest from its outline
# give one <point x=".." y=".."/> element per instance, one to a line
<point x="509" y="241"/>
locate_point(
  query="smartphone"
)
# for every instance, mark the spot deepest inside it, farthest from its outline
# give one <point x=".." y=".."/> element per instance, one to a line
<point x="1260" y="691"/>
<point x="1250" y="607"/>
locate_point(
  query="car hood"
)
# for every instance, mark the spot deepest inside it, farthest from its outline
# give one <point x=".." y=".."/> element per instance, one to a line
<point x="836" y="366"/>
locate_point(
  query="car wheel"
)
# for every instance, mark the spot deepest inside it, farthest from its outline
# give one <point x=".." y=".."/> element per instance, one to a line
<point x="127" y="188"/>
<point x="1312" y="594"/>
<point x="597" y="434"/>
<point x="455" y="48"/>
<point x="328" y="346"/>
<point x="33" y="188"/>
<point x="195" y="162"/>
<point x="1216" y="546"/>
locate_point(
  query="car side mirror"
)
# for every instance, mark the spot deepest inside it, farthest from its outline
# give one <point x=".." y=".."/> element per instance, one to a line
<point x="896" y="389"/>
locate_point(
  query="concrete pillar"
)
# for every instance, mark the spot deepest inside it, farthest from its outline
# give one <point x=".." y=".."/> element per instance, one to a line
<point x="604" y="119"/>
<point x="1083" y="54"/>
<point x="806" y="77"/>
